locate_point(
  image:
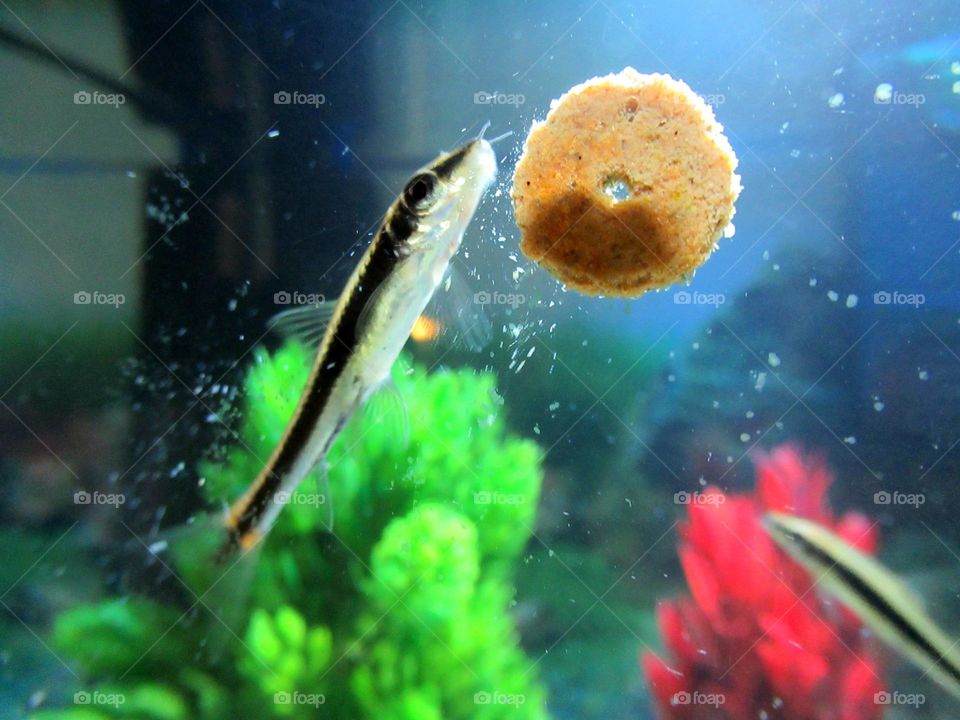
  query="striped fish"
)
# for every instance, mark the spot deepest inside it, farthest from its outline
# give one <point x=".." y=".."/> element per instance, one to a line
<point x="367" y="327"/>
<point x="878" y="597"/>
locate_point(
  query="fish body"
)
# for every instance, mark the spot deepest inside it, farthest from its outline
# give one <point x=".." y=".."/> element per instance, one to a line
<point x="879" y="597"/>
<point x="369" y="325"/>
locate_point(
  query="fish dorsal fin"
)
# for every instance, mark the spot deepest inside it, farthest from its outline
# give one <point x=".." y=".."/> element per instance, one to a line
<point x="305" y="322"/>
<point x="460" y="312"/>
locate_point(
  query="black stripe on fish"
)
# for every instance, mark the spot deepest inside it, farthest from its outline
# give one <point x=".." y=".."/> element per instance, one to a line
<point x="382" y="258"/>
<point x="444" y="168"/>
<point x="879" y="604"/>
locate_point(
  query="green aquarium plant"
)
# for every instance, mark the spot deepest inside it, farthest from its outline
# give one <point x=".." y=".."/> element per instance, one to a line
<point x="400" y="613"/>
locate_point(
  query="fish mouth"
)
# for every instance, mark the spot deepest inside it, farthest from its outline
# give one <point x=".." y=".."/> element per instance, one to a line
<point x="475" y="161"/>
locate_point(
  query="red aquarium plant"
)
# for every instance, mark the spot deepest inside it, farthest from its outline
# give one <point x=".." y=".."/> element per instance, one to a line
<point x="755" y="638"/>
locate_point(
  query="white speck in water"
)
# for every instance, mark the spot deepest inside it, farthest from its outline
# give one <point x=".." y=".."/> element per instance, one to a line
<point x="536" y="428"/>
<point x="852" y="300"/>
<point x="955" y="67"/>
<point x="878" y="405"/>
<point x="923" y="375"/>
<point x="696" y="346"/>
<point x="883" y="94"/>
<point x="729" y="231"/>
<point x="273" y="133"/>
<point x="130" y="173"/>
<point x="794" y="153"/>
<point x="850" y="440"/>
<point x="749" y="414"/>
<point x="835" y="101"/>
<point x="761" y="381"/>
<point x="671" y="378"/>
<point x="554" y="406"/>
<point x="178" y="469"/>
<point x="783" y="128"/>
<point x="773" y="359"/>
<point x="955" y="215"/>
<point x="744" y="437"/>
<point x="232" y="305"/>
<point x="813" y="282"/>
<point x="777" y="703"/>
<point x="833" y="295"/>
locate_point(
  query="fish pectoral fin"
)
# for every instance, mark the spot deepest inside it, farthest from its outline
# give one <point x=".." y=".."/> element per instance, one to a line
<point x="321" y="478"/>
<point x="305" y="322"/>
<point x="388" y="408"/>
<point x="461" y="317"/>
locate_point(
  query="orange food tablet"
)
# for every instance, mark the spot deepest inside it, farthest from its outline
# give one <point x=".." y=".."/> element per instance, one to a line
<point x="626" y="186"/>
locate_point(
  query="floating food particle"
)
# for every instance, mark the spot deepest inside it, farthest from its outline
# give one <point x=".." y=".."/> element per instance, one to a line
<point x="626" y="186"/>
<point x="883" y="94"/>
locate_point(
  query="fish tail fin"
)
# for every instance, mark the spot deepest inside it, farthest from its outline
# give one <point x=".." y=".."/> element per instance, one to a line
<point x="215" y="571"/>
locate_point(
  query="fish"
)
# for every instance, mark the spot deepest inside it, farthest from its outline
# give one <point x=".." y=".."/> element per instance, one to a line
<point x="363" y="331"/>
<point x="881" y="599"/>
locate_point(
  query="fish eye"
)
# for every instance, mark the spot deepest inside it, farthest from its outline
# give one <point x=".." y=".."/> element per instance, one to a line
<point x="421" y="192"/>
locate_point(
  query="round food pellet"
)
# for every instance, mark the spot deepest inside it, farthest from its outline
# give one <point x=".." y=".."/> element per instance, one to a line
<point x="626" y="186"/>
